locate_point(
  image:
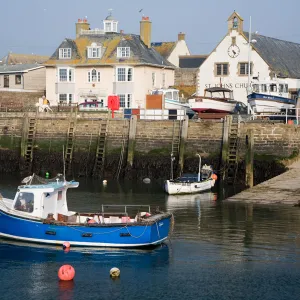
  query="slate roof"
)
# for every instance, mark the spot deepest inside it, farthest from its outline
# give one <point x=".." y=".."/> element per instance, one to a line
<point x="191" y="61"/>
<point x="20" y="68"/>
<point x="283" y="57"/>
<point x="140" y="54"/>
<point x="14" y="58"/>
<point x="164" y="48"/>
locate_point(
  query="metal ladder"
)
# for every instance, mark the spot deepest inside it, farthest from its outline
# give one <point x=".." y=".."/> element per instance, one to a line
<point x="28" y="154"/>
<point x="233" y="140"/>
<point x="176" y="137"/>
<point x="100" y="151"/>
<point x="70" y="145"/>
<point x="124" y="147"/>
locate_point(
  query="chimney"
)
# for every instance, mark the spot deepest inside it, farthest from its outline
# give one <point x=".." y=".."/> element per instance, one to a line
<point x="145" y="31"/>
<point x="181" y="36"/>
<point x="82" y="24"/>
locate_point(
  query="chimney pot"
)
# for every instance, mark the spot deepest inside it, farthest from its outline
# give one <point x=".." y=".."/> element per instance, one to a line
<point x="145" y="18"/>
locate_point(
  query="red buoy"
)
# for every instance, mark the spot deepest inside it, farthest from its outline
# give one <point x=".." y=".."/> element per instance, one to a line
<point x="66" y="272"/>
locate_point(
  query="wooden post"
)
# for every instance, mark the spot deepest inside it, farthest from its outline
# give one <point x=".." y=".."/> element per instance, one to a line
<point x="226" y="124"/>
<point x="183" y="138"/>
<point x="131" y="141"/>
<point x="249" y="158"/>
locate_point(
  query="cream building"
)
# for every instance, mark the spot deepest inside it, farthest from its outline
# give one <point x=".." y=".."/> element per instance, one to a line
<point x="173" y="50"/>
<point x="227" y="64"/>
<point x="102" y="62"/>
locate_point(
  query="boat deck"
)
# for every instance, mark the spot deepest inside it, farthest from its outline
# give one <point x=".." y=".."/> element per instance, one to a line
<point x="282" y="189"/>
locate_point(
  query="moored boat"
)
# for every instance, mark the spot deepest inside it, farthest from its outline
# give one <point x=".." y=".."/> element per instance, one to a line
<point x="39" y="213"/>
<point x="191" y="183"/>
<point x="270" y="96"/>
<point x="215" y="100"/>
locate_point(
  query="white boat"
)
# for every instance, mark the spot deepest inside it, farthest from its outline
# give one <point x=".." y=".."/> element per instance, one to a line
<point x="270" y="96"/>
<point x="215" y="100"/>
<point x="171" y="98"/>
<point x="191" y="184"/>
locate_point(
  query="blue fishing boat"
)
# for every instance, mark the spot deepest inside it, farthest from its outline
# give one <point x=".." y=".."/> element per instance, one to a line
<point x="39" y="213"/>
<point x="270" y="96"/>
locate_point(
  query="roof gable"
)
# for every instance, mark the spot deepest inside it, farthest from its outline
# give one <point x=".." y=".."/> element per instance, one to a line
<point x="283" y="57"/>
<point x="164" y="48"/>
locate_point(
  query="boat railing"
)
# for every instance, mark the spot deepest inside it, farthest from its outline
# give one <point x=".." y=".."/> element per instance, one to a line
<point x="126" y="207"/>
<point x="287" y="116"/>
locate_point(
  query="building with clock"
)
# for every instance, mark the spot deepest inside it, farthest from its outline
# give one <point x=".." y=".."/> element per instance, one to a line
<point x="227" y="64"/>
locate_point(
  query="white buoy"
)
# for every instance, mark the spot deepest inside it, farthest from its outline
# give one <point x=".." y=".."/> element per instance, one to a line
<point x="146" y="180"/>
<point x="114" y="272"/>
<point x="104" y="182"/>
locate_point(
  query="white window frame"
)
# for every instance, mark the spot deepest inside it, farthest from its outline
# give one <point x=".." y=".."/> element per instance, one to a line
<point x="123" y="52"/>
<point x="94" y="52"/>
<point x="153" y="79"/>
<point x="127" y="75"/>
<point x="69" y="77"/>
<point x="128" y="99"/>
<point x="221" y="64"/>
<point x="69" y="98"/>
<point x="65" y="53"/>
<point x="246" y="66"/>
<point x="94" y="76"/>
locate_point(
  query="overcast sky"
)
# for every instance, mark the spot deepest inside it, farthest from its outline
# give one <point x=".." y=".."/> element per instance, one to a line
<point x="39" y="26"/>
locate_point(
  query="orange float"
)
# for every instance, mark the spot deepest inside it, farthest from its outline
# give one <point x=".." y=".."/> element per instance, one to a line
<point x="91" y="221"/>
<point x="66" y="245"/>
<point x="214" y="176"/>
<point x="66" y="272"/>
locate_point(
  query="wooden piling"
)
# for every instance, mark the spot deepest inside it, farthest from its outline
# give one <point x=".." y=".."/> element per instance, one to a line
<point x="249" y="158"/>
<point x="224" y="163"/>
<point x="131" y="141"/>
<point x="184" y="133"/>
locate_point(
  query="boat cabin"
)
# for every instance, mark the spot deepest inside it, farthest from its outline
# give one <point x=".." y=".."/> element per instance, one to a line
<point x="273" y="88"/>
<point x="42" y="201"/>
<point x="218" y="93"/>
<point x="169" y="94"/>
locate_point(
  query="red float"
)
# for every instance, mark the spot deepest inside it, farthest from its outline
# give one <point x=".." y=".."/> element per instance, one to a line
<point x="66" y="245"/>
<point x="66" y="272"/>
<point x="113" y="103"/>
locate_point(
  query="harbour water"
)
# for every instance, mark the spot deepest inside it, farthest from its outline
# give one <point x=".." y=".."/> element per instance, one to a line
<point x="218" y="250"/>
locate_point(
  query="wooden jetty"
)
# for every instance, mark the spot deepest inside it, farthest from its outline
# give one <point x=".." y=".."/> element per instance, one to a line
<point x="282" y="189"/>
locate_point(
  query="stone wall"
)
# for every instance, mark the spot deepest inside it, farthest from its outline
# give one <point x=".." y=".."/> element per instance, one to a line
<point x="9" y="99"/>
<point x="186" y="76"/>
<point x="153" y="139"/>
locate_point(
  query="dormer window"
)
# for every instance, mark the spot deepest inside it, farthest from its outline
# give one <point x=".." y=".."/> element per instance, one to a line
<point x="65" y="53"/>
<point x="94" y="51"/>
<point x="123" y="52"/>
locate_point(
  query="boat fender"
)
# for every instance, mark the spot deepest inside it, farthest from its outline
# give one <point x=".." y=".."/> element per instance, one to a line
<point x="145" y="215"/>
<point x="66" y="245"/>
<point x="214" y="176"/>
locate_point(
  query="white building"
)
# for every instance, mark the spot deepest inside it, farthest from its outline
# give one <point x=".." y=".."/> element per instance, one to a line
<point x="102" y="62"/>
<point x="173" y="50"/>
<point x="227" y="64"/>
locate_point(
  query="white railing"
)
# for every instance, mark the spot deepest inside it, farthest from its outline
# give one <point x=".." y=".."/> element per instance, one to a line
<point x="92" y="31"/>
<point x="287" y="115"/>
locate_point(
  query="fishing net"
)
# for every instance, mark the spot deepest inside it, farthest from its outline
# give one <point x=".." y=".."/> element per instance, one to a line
<point x="35" y="179"/>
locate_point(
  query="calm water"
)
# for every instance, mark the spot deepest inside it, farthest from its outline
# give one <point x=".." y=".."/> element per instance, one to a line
<point x="218" y="250"/>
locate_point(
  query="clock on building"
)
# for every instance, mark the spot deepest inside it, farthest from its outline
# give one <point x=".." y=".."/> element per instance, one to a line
<point x="233" y="51"/>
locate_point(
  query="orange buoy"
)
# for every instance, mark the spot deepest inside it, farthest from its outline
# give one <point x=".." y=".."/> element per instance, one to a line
<point x="66" y="245"/>
<point x="214" y="176"/>
<point x="66" y="272"/>
<point x="91" y="221"/>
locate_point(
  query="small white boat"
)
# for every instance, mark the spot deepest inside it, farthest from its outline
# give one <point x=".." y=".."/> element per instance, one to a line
<point x="191" y="184"/>
<point x="270" y="96"/>
<point x="215" y="100"/>
<point x="171" y="98"/>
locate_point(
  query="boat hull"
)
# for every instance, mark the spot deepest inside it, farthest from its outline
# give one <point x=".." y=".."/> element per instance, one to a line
<point x="178" y="187"/>
<point x="261" y="103"/>
<point x="212" y="106"/>
<point x="91" y="235"/>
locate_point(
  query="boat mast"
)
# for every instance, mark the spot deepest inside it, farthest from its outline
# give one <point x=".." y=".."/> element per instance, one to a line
<point x="199" y="171"/>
